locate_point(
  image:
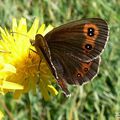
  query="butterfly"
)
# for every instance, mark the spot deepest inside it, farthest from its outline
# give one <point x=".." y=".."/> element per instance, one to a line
<point x="73" y="50"/>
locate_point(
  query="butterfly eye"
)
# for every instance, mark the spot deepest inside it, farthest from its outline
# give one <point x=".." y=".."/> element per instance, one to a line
<point x="88" y="46"/>
<point x="90" y="32"/>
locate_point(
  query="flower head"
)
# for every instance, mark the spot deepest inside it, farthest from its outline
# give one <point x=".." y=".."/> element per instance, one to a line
<point x="1" y="115"/>
<point x="19" y="67"/>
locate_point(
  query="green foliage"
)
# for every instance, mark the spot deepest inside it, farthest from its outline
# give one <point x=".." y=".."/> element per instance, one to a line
<point x="98" y="100"/>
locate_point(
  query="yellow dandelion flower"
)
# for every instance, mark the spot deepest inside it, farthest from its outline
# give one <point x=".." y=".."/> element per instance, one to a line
<point x="1" y="115"/>
<point x="19" y="64"/>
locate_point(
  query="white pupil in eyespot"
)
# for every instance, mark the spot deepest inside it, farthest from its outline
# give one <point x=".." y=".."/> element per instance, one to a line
<point x="90" y="32"/>
<point x="88" y="46"/>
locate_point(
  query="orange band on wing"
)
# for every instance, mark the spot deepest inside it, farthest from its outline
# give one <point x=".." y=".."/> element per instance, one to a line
<point x="84" y="69"/>
<point x="90" y="39"/>
<point x="96" y="31"/>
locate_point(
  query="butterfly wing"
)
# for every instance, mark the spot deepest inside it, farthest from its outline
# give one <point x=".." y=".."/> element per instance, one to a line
<point x="74" y="50"/>
<point x="66" y="68"/>
<point x="75" y="71"/>
<point x="83" y="39"/>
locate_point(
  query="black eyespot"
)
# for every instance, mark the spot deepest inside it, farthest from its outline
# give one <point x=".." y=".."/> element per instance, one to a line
<point x="90" y="32"/>
<point x="88" y="46"/>
<point x="85" y="69"/>
<point x="79" y="75"/>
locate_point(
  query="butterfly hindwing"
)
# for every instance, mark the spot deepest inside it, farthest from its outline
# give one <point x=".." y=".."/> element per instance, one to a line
<point x="75" y="71"/>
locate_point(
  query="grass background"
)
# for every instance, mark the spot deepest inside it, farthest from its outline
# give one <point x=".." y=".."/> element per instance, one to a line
<point x="99" y="100"/>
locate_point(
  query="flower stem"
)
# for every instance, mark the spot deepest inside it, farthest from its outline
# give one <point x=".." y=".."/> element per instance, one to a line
<point x="29" y="107"/>
<point x="7" y="110"/>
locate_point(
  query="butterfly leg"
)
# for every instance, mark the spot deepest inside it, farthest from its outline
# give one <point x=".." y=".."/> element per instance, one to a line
<point x="32" y="51"/>
<point x="40" y="58"/>
<point x="39" y="62"/>
<point x="39" y="70"/>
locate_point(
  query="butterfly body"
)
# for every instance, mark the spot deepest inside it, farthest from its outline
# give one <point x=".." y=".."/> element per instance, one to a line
<point x="73" y="50"/>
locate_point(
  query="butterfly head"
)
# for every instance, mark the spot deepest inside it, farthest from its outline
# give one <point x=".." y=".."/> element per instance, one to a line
<point x="38" y="42"/>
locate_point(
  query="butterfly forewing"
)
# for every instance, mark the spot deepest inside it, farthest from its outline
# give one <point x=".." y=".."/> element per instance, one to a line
<point x="84" y="39"/>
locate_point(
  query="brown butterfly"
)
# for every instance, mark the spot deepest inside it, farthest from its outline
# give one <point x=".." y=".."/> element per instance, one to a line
<point x="73" y="50"/>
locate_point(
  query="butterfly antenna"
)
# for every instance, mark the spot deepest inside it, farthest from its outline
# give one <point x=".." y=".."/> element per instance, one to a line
<point x="3" y="51"/>
<point x="31" y="40"/>
<point x="21" y="34"/>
